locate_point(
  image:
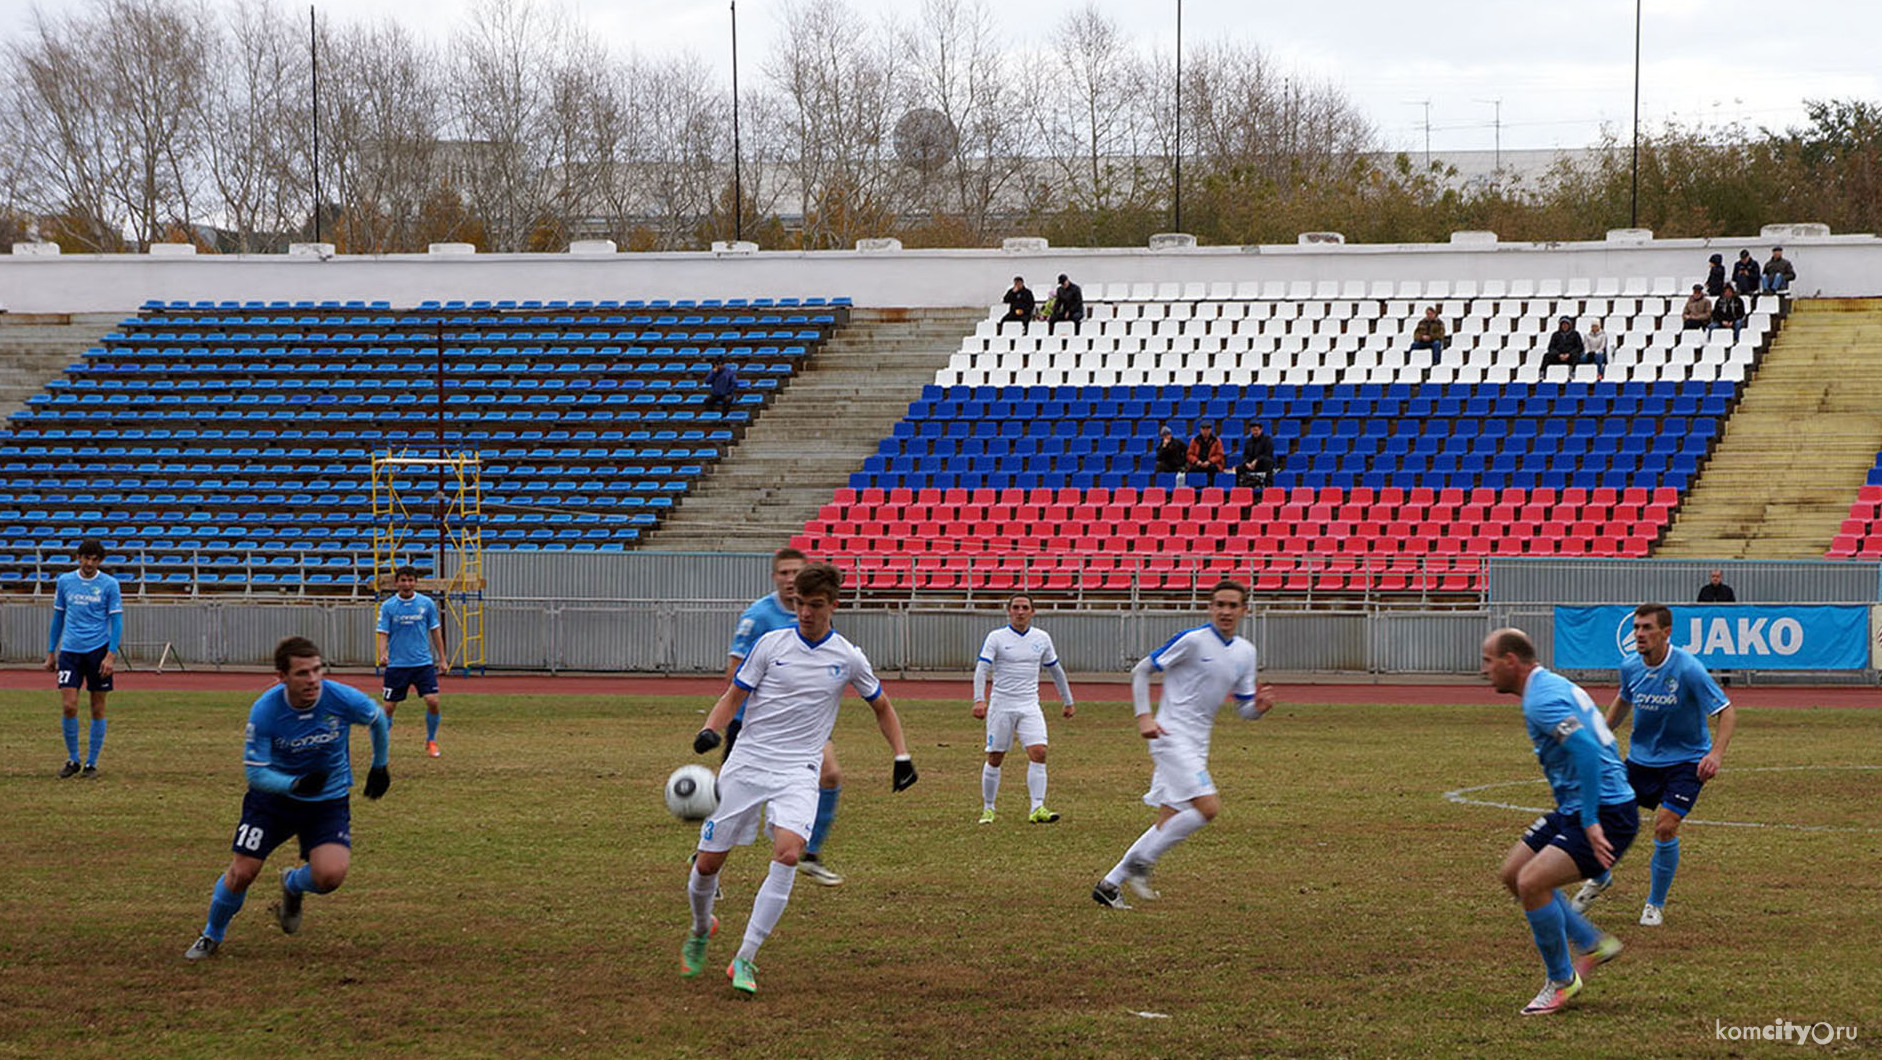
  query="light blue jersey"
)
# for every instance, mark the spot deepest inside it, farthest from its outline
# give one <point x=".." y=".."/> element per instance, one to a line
<point x="1555" y="710"/>
<point x="83" y="608"/>
<point x="286" y="741"/>
<point x="407" y="625"/>
<point x="1671" y="703"/>
<point x="767" y="613"/>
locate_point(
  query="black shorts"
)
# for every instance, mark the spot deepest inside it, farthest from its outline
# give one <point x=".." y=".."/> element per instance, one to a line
<point x="77" y="669"/>
<point x="268" y="820"/>
<point x="1619" y="823"/>
<point x="1675" y="787"/>
<point x="400" y="678"/>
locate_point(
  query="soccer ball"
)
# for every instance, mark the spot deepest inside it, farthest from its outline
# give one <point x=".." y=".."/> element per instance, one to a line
<point x="692" y="793"/>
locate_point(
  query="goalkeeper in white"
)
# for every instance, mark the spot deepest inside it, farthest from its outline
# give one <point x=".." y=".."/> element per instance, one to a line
<point x="1013" y="655"/>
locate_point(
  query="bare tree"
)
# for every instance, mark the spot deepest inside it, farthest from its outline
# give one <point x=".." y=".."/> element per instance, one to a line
<point x="959" y="71"/>
<point x="1093" y="114"/>
<point x="153" y="69"/>
<point x="256" y="123"/>
<point x="380" y="127"/>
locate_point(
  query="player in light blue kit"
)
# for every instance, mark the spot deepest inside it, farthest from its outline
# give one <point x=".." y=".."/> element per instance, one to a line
<point x="1593" y="823"/>
<point x="82" y="648"/>
<point x="1201" y="667"/>
<point x="299" y="773"/>
<point x="411" y="648"/>
<point x="1671" y="754"/>
<point x="778" y="610"/>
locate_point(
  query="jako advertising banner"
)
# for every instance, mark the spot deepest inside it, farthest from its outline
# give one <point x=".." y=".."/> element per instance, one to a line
<point x="1737" y="637"/>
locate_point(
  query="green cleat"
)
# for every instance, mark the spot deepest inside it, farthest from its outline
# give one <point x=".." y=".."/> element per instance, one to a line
<point x="693" y="952"/>
<point x="1601" y="953"/>
<point x="1042" y="816"/>
<point x="744" y="975"/>
<point x="987" y="816"/>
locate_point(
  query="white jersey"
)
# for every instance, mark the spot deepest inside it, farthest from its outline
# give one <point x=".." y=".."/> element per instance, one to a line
<point x="1015" y="660"/>
<point x="795" y="688"/>
<point x="1200" y="670"/>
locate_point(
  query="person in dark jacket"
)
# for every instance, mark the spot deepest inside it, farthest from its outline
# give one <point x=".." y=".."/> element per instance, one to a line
<point x="1020" y="304"/>
<point x="1715" y="276"/>
<point x="1257" y="466"/>
<point x="1564" y="345"/>
<point x="722" y="382"/>
<point x="1429" y="334"/>
<point x="1068" y="303"/>
<point x="1171" y="452"/>
<point x="1728" y="311"/>
<point x="1715" y="591"/>
<point x="1205" y="453"/>
<point x="1745" y="274"/>
<point x="1778" y="272"/>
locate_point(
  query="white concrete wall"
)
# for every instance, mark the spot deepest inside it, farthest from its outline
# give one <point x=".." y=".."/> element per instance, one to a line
<point x="1830" y="265"/>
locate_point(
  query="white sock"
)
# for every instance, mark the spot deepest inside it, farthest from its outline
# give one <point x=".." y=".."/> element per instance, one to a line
<point x="989" y="784"/>
<point x="773" y="896"/>
<point x="1174" y="831"/>
<point x="1135" y="853"/>
<point x="701" y="892"/>
<point x="1036" y="783"/>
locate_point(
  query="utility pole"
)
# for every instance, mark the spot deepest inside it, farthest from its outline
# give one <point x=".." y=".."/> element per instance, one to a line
<point x="1496" y="122"/>
<point x="1426" y="104"/>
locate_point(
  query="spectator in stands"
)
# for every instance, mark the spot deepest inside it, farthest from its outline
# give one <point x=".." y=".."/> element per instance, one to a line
<point x="1728" y="311"/>
<point x="1594" y="347"/>
<point x="1205" y="451"/>
<point x="722" y="381"/>
<point x="1068" y="303"/>
<point x="1565" y="346"/>
<point x="1745" y="274"/>
<point x="1715" y="591"/>
<point x="1020" y="304"/>
<point x="1778" y="272"/>
<point x="1715" y="276"/>
<point x="1171" y="453"/>
<point x="1698" y="311"/>
<point x="1429" y="334"/>
<point x="1257" y="466"/>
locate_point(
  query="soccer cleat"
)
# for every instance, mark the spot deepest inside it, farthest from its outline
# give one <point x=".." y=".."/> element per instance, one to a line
<point x="1137" y="878"/>
<point x="1042" y="816"/>
<point x="70" y="769"/>
<point x="90" y="772"/>
<point x="1604" y="951"/>
<point x="431" y="748"/>
<point x="987" y="816"/>
<point x="1652" y="915"/>
<point x="1553" y="997"/>
<point x="204" y="946"/>
<point x="693" y="951"/>
<point x="744" y="975"/>
<point x="1590" y="890"/>
<point x="813" y="867"/>
<point x="287" y="912"/>
<point x="1107" y="894"/>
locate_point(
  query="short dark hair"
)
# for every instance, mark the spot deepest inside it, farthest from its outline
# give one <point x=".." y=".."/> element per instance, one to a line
<point x="1514" y="642"/>
<point x="1064" y="278"/>
<point x="1661" y="614"/>
<point x="91" y="546"/>
<point x="1233" y="586"/>
<point x="292" y="648"/>
<point x="819" y="579"/>
<point x="1019" y="279"/>
<point x="1019" y="596"/>
<point x="787" y="553"/>
<point x="407" y="571"/>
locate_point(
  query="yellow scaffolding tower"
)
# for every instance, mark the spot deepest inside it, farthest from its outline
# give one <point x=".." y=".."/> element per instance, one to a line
<point x="431" y="508"/>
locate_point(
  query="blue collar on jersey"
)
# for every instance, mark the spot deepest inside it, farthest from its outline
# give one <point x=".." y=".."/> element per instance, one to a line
<point x="1021" y="632"/>
<point x="818" y="643"/>
<point x="1226" y="641"/>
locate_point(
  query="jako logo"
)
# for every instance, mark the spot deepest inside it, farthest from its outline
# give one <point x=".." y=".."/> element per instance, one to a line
<point x="1721" y="635"/>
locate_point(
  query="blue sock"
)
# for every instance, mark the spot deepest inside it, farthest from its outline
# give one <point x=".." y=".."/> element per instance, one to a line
<point x="97" y="741"/>
<point x="1606" y="877"/>
<point x="300" y="880"/>
<point x="223" y="906"/>
<point x="1551" y="941"/>
<point x="1665" y="862"/>
<point x="431" y="726"/>
<point x="70" y="726"/>
<point x="826" y="816"/>
<point x="1583" y="934"/>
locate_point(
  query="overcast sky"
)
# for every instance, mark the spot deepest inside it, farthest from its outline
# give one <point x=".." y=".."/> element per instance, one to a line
<point x="1560" y="69"/>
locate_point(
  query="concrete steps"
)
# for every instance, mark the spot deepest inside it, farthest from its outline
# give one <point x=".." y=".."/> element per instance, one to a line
<point x="36" y="347"/>
<point x="818" y="430"/>
<point x="1800" y="444"/>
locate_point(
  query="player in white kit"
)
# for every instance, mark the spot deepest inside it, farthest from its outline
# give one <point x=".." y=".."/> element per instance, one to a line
<point x="1201" y="667"/>
<point x="790" y="685"/>
<point x="1013" y="655"/>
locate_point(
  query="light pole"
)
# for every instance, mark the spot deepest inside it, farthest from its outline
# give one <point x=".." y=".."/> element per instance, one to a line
<point x="738" y="187"/>
<point x="1633" y="214"/>
<point x="1177" y="226"/>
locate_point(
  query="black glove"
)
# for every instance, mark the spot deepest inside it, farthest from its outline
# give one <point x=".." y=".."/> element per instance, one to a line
<point x="308" y="785"/>
<point x="378" y="779"/>
<point x="705" y="741"/>
<point x="904" y="773"/>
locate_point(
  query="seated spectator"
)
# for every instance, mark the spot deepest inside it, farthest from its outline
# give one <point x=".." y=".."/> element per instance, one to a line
<point x="1728" y="311"/>
<point x="1715" y="591"/>
<point x="1068" y="303"/>
<point x="1715" y="276"/>
<point x="1257" y="466"/>
<point x="1171" y="453"/>
<point x="1429" y="334"/>
<point x="1019" y="306"/>
<point x="1698" y="311"/>
<point x="1205" y="451"/>
<point x="1745" y="275"/>
<point x="1564" y="345"/>
<point x="722" y="381"/>
<point x="1594" y="347"/>
<point x="1778" y="272"/>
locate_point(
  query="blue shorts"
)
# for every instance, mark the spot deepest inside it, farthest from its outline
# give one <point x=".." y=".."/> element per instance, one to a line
<point x="1676" y="787"/>
<point x="80" y="668"/>
<point x="1619" y="822"/>
<point x="268" y="820"/>
<point x="400" y="678"/>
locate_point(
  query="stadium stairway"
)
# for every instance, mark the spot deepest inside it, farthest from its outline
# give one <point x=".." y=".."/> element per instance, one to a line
<point x="822" y="426"/>
<point x="36" y="347"/>
<point x="1804" y="435"/>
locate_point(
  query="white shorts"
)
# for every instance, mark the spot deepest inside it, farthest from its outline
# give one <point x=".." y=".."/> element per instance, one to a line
<point x="788" y="800"/>
<point x="1180" y="775"/>
<point x="1028" y="725"/>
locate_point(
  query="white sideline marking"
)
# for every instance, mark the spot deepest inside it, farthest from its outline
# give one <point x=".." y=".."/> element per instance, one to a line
<point x="1459" y="796"/>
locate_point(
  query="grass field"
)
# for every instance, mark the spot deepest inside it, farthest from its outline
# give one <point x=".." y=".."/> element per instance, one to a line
<point x="524" y="896"/>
